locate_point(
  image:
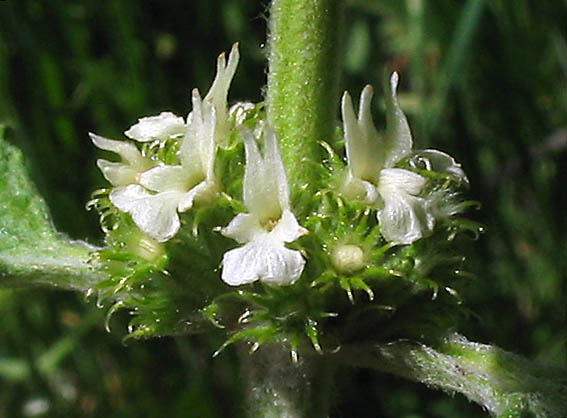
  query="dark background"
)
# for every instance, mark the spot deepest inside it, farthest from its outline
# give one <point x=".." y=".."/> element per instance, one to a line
<point x="482" y="80"/>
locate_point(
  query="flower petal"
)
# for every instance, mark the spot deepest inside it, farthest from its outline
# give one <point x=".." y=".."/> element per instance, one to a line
<point x="198" y="148"/>
<point x="262" y="189"/>
<point x="154" y="214"/>
<point x="275" y="167"/>
<point x="218" y="92"/>
<point x="162" y="126"/>
<point x="189" y="150"/>
<point x="243" y="228"/>
<point x="398" y="134"/>
<point x="207" y="143"/>
<point x="364" y="147"/>
<point x="399" y="179"/>
<point x="439" y="161"/>
<point x="118" y="174"/>
<point x="129" y="152"/>
<point x="287" y="229"/>
<point x="225" y="72"/>
<point x="206" y="190"/>
<point x="404" y="218"/>
<point x="263" y="260"/>
<point x="165" y="178"/>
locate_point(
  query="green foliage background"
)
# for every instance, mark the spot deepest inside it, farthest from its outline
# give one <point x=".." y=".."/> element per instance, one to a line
<point x="485" y="81"/>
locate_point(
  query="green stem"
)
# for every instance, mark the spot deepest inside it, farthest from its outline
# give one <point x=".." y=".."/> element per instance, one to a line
<point x="302" y="96"/>
<point x="503" y="383"/>
<point x="277" y="387"/>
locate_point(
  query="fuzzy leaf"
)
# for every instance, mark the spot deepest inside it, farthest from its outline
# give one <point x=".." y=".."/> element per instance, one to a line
<point x="32" y="252"/>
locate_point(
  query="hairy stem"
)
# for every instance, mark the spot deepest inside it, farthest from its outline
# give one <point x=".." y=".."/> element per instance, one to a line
<point x="302" y="96"/>
<point x="503" y="383"/>
<point x="280" y="388"/>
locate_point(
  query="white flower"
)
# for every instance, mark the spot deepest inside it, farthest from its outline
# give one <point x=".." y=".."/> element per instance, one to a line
<point x="162" y="126"/>
<point x="129" y="169"/>
<point x="159" y="193"/>
<point x="404" y="216"/>
<point x="268" y="225"/>
<point x="169" y="189"/>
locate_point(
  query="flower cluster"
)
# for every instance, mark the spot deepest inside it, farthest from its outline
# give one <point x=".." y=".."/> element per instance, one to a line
<point x="223" y="164"/>
<point x="153" y="193"/>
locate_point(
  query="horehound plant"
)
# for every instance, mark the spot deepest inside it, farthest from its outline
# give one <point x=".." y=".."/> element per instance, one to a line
<point x="307" y="241"/>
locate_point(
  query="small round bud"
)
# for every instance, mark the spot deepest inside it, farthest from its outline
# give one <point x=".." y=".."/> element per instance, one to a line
<point x="348" y="258"/>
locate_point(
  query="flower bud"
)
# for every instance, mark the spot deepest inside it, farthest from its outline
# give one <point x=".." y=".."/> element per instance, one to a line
<point x="348" y="258"/>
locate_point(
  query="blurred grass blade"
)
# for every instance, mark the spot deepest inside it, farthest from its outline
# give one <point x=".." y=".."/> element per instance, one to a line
<point x="466" y="28"/>
<point x="32" y="253"/>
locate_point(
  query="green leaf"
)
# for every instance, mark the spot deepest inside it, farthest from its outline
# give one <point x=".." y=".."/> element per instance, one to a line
<point x="32" y="252"/>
